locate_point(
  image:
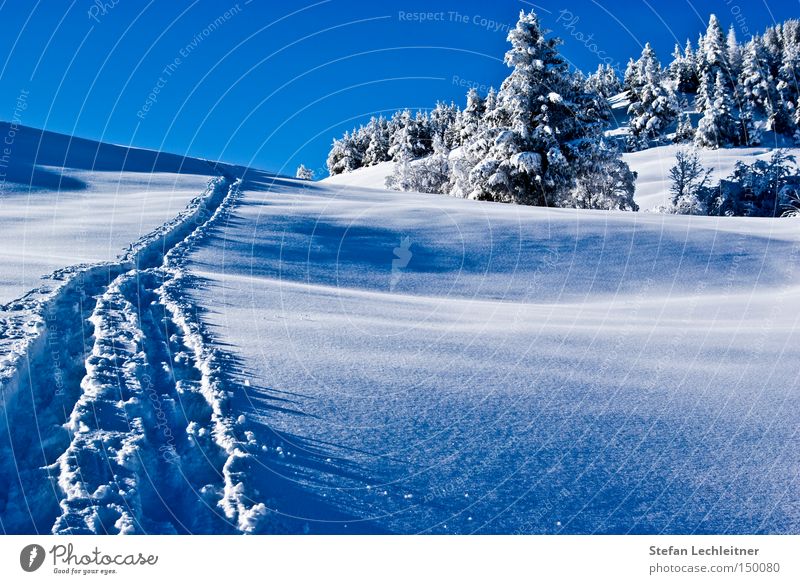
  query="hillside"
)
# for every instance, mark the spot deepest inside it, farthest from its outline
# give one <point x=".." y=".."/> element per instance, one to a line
<point x="421" y="363"/>
<point x="290" y="356"/>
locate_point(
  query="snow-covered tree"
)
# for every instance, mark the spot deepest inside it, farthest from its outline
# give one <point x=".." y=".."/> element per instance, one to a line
<point x="787" y="82"/>
<point x="442" y="120"/>
<point x="714" y="48"/>
<point x="547" y="126"/>
<point x="630" y="78"/>
<point x="754" y="77"/>
<point x="760" y="189"/>
<point x="684" y="131"/>
<point x="492" y="115"/>
<point x="343" y="156"/>
<point x="791" y="202"/>
<point x="606" y="182"/>
<point x="604" y="82"/>
<point x="682" y="69"/>
<point x="711" y="59"/>
<point x="718" y="127"/>
<point x="411" y="138"/>
<point x="471" y="117"/>
<point x="377" y="140"/>
<point x="425" y="175"/>
<point x="304" y="173"/>
<point x="689" y="179"/>
<point x="733" y="55"/>
<point x="653" y="105"/>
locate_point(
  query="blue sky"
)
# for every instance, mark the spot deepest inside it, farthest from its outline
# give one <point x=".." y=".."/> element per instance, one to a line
<point x="270" y="83"/>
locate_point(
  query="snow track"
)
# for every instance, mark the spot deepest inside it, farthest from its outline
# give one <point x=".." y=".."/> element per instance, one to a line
<point x="132" y="432"/>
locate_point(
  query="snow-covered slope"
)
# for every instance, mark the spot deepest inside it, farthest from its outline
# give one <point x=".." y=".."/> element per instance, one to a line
<point x="289" y="356"/>
<point x="369" y="177"/>
<point x="86" y="431"/>
<point x="417" y="363"/>
<point x="65" y="201"/>
<point x="653" y="164"/>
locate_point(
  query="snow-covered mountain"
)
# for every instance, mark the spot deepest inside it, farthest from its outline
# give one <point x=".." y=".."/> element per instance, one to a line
<point x="290" y="356"/>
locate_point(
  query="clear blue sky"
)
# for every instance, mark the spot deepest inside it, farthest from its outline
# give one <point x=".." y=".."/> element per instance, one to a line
<point x="271" y="82"/>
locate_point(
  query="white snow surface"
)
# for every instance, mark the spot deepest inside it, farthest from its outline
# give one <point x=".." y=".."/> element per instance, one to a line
<point x="430" y="364"/>
<point x="289" y="356"/>
<point x="65" y="202"/>
<point x="370" y="177"/>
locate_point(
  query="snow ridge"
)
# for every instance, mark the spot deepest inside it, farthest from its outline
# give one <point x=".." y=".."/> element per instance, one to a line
<point x="238" y="501"/>
<point x="147" y="416"/>
<point x="23" y="321"/>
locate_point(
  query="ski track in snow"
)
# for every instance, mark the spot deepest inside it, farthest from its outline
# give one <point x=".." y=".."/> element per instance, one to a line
<point x="149" y="444"/>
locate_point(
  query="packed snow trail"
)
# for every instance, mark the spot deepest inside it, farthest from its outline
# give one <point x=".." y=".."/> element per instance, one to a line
<point x="149" y="445"/>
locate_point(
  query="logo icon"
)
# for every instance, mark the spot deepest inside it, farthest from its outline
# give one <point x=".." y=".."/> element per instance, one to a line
<point x="402" y="255"/>
<point x="31" y="557"/>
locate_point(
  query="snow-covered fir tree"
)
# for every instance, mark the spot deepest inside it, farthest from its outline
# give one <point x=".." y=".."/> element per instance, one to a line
<point x="430" y="174"/>
<point x="549" y="126"/>
<point x="630" y="77"/>
<point x="377" y="132"/>
<point x="304" y="173"/>
<point x="711" y="59"/>
<point x="733" y="55"/>
<point x="411" y="139"/>
<point x="682" y="69"/>
<point x="684" y="132"/>
<point x="718" y="126"/>
<point x="788" y="94"/>
<point x="606" y="182"/>
<point x="754" y="77"/>
<point x="604" y="82"/>
<point x="652" y="106"/>
<point x="344" y="155"/>
<point x="442" y="120"/>
<point x="492" y="114"/>
<point x="471" y="118"/>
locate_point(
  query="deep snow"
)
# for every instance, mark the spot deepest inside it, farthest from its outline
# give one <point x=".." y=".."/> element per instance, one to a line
<point x="428" y="364"/>
<point x="289" y="356"/>
<point x="65" y="201"/>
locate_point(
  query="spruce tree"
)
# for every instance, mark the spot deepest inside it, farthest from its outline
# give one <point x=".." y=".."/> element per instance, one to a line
<point x="654" y="107"/>
<point x="378" y="147"/>
<point x="548" y="126"/>
<point x="717" y="127"/>
<point x="684" y="131"/>
<point x="471" y="117"/>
